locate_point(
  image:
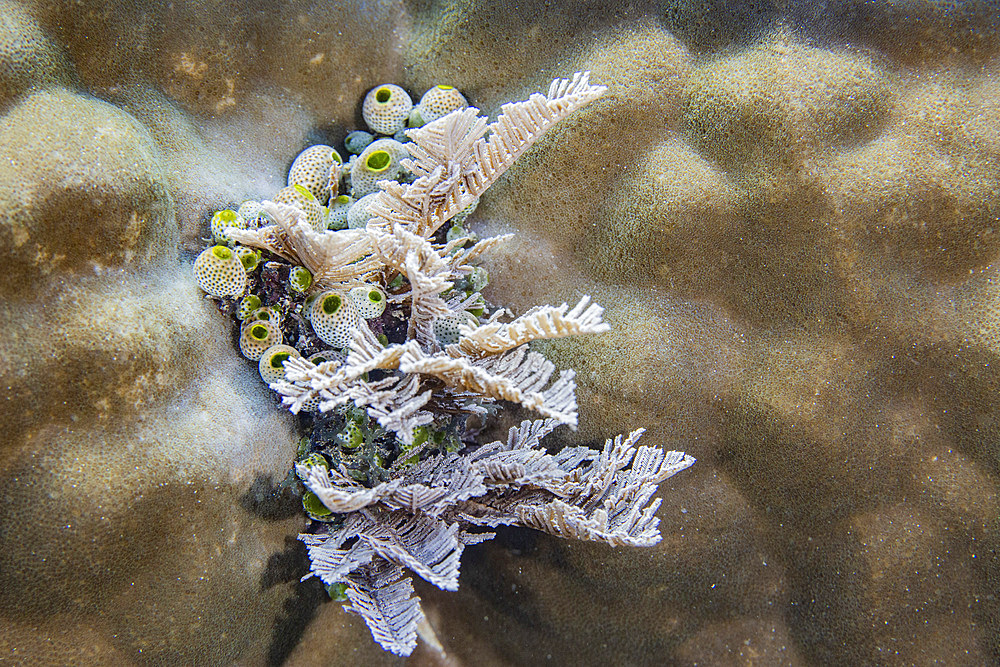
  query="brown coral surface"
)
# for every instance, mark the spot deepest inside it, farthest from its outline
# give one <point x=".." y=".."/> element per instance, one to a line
<point x="789" y="210"/>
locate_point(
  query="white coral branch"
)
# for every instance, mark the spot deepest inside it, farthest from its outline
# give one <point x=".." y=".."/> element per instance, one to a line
<point x="339" y="493"/>
<point x="521" y="123"/>
<point x="455" y="163"/>
<point x="536" y="324"/>
<point x="460" y="262"/>
<point x="383" y="596"/>
<point x="419" y="518"/>
<point x="402" y="411"/>
<point x="428" y="546"/>
<point x="570" y="522"/>
<point x="519" y="376"/>
<point x="333" y="257"/>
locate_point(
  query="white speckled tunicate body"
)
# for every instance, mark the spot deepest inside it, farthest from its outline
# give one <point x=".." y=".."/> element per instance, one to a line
<point x="446" y="329"/>
<point x="386" y="108"/>
<point x="334" y="318"/>
<point x="358" y="215"/>
<point x="439" y="101"/>
<point x="369" y="300"/>
<point x="256" y="337"/>
<point x="219" y="272"/>
<point x="271" y="363"/>
<point x="253" y="214"/>
<point x="305" y="201"/>
<point x="223" y="219"/>
<point x="317" y="169"/>
<point x="382" y="160"/>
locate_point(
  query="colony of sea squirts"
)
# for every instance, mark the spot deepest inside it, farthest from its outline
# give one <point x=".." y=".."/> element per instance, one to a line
<point x="789" y="215"/>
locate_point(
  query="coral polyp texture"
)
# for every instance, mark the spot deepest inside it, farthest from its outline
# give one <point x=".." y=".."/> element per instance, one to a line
<point x="787" y="209"/>
<point x="396" y="476"/>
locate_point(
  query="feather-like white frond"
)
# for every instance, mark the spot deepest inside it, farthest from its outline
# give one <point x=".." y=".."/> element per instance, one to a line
<point x="333" y="257"/>
<point x="426" y="304"/>
<point x="339" y="493"/>
<point x="536" y="324"/>
<point x="446" y="141"/>
<point x="428" y="546"/>
<point x="459" y="263"/>
<point x="519" y="376"/>
<point x="521" y="123"/>
<point x="455" y="163"/>
<point x="418" y="519"/>
<point x="383" y="596"/>
<point x="402" y="411"/>
<point x="332" y="564"/>
<point x="570" y="522"/>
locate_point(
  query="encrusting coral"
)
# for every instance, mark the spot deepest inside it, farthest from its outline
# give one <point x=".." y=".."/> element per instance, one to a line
<point x="817" y="322"/>
<point x="396" y="477"/>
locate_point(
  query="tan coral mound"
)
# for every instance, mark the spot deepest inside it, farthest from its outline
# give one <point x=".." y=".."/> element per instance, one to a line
<point x="74" y="161"/>
<point x="789" y="215"/>
<point x="27" y="56"/>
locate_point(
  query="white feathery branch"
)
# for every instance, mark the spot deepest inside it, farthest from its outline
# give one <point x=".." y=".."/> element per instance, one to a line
<point x="305" y="380"/>
<point x="455" y="163"/>
<point x="536" y="324"/>
<point x="519" y="376"/>
<point x="396" y="248"/>
<point x="569" y="522"/>
<point x="384" y="598"/>
<point x="427" y="272"/>
<point x="426" y="545"/>
<point x="347" y="495"/>
<point x="418" y="519"/>
<point x="460" y="262"/>
<point x="333" y="257"/>
<point x="401" y="411"/>
<point x="276" y="238"/>
<point x="426" y="304"/>
<point x="521" y="123"/>
<point x="438" y="143"/>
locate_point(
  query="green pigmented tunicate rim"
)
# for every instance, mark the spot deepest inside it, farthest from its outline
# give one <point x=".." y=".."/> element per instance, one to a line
<point x="383" y="95"/>
<point x="335" y="156"/>
<point x="343" y="200"/>
<point x="222" y="252"/>
<point x="354" y="436"/>
<point x="300" y="278"/>
<point x="227" y="215"/>
<point x="444" y="86"/>
<point x="375" y="296"/>
<point x="304" y="192"/>
<point x="378" y="161"/>
<point x="331" y="304"/>
<point x="313" y="505"/>
<point x="337" y="592"/>
<point x="258" y="332"/>
<point x="420" y="435"/>
<point x="316" y="459"/>
<point x="279" y="358"/>
<point x="249" y="260"/>
<point x="250" y="303"/>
